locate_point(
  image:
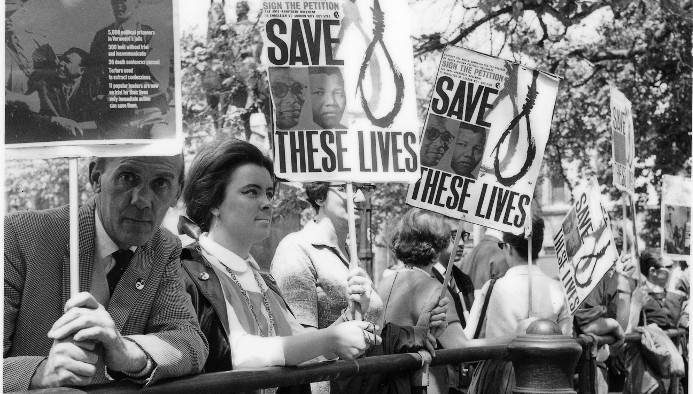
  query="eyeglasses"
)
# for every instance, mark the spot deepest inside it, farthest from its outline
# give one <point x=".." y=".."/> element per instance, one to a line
<point x="280" y="89"/>
<point x="433" y="134"/>
<point x="463" y="238"/>
<point x="366" y="189"/>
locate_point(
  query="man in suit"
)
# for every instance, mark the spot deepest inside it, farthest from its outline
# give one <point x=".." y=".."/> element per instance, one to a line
<point x="70" y="98"/>
<point x="132" y="319"/>
<point x="487" y="260"/>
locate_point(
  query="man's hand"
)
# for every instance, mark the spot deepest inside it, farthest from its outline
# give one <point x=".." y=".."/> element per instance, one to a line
<point x="69" y="125"/>
<point x="433" y="317"/>
<point x="69" y="363"/>
<point x="87" y="320"/>
<point x="351" y="339"/>
<point x="359" y="289"/>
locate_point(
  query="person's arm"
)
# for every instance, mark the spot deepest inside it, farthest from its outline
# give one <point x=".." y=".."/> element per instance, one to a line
<point x="175" y="342"/>
<point x="173" y="346"/>
<point x="475" y="312"/>
<point x="248" y="351"/>
<point x="17" y="371"/>
<point x="296" y="278"/>
<point x="453" y="336"/>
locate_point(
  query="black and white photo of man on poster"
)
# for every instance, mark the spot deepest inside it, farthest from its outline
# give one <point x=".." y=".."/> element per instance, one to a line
<point x="676" y="217"/>
<point x="88" y="72"/>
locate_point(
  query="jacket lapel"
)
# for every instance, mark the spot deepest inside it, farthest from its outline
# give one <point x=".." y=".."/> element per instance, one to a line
<point x="87" y="232"/>
<point x="211" y="287"/>
<point x="133" y="284"/>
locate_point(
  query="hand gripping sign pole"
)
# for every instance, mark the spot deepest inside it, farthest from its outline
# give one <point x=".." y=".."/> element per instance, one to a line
<point x="74" y="227"/>
<point x="448" y="269"/>
<point x="353" y="246"/>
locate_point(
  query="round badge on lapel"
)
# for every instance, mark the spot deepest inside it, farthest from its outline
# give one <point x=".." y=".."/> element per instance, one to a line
<point x="139" y="284"/>
<point x="203" y="276"/>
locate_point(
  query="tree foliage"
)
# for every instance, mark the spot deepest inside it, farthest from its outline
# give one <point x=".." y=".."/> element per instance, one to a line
<point x="641" y="47"/>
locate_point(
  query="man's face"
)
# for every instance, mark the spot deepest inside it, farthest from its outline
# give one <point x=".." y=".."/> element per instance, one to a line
<point x="70" y="67"/>
<point x="123" y="9"/>
<point x="436" y="142"/>
<point x="134" y="194"/>
<point x="288" y="95"/>
<point x="467" y="152"/>
<point x="328" y="100"/>
<point x="444" y="256"/>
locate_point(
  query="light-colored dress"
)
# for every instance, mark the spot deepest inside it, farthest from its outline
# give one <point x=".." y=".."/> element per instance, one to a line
<point x="405" y="295"/>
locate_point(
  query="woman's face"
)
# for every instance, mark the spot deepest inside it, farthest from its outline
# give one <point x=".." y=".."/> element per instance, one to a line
<point x="245" y="213"/>
<point x="335" y="205"/>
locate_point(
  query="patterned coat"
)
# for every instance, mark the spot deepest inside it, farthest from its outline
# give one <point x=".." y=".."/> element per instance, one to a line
<point x="159" y="317"/>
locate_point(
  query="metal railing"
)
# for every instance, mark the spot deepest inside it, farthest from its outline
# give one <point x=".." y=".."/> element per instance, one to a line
<point x="238" y="381"/>
<point x="587" y="366"/>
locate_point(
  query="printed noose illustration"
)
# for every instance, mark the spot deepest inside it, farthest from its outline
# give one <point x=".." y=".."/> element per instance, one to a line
<point x="531" y="149"/>
<point x="352" y="17"/>
<point x="588" y="262"/>
<point x="378" y="33"/>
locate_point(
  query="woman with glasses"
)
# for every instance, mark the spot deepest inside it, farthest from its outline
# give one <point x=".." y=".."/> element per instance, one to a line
<point x="502" y="308"/>
<point x="311" y="266"/>
<point x="228" y="195"/>
<point x="417" y="240"/>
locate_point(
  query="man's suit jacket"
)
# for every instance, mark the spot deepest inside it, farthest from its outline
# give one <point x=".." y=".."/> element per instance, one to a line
<point x="82" y="106"/>
<point x="159" y="317"/>
<point x="485" y="262"/>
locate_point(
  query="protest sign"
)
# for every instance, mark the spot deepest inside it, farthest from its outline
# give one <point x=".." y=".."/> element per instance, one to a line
<point x="342" y="86"/>
<point x="676" y="217"/>
<point x="622" y="143"/>
<point x="584" y="244"/>
<point x="91" y="77"/>
<point x="483" y="142"/>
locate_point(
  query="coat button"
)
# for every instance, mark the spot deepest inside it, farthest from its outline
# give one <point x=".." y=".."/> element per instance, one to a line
<point x="203" y="276"/>
<point x="139" y="284"/>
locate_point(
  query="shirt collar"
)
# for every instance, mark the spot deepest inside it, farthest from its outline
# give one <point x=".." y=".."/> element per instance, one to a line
<point x="104" y="244"/>
<point x="318" y="238"/>
<point x="523" y="269"/>
<point x="226" y="257"/>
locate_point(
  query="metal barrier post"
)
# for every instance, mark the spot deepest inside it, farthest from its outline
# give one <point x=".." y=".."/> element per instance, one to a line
<point x="587" y="368"/>
<point x="544" y="360"/>
<point x="419" y="380"/>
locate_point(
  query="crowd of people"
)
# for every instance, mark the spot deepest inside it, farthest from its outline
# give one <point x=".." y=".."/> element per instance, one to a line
<point x="149" y="309"/>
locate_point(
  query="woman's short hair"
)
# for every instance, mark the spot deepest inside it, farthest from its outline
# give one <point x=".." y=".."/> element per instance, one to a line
<point x="316" y="191"/>
<point x="519" y="243"/>
<point x="210" y="172"/>
<point x="650" y="258"/>
<point x="419" y="237"/>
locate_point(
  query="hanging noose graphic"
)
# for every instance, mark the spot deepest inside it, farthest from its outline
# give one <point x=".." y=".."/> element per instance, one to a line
<point x="378" y="31"/>
<point x="591" y="260"/>
<point x="531" y="149"/>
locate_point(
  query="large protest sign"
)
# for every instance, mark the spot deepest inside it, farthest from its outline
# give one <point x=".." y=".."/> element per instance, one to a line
<point x="676" y="217"/>
<point x="622" y="143"/>
<point x="584" y="244"/>
<point x="91" y="77"/>
<point x="342" y="85"/>
<point x="483" y="142"/>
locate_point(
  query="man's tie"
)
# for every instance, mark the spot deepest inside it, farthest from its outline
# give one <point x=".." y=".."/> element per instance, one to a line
<point x="122" y="260"/>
